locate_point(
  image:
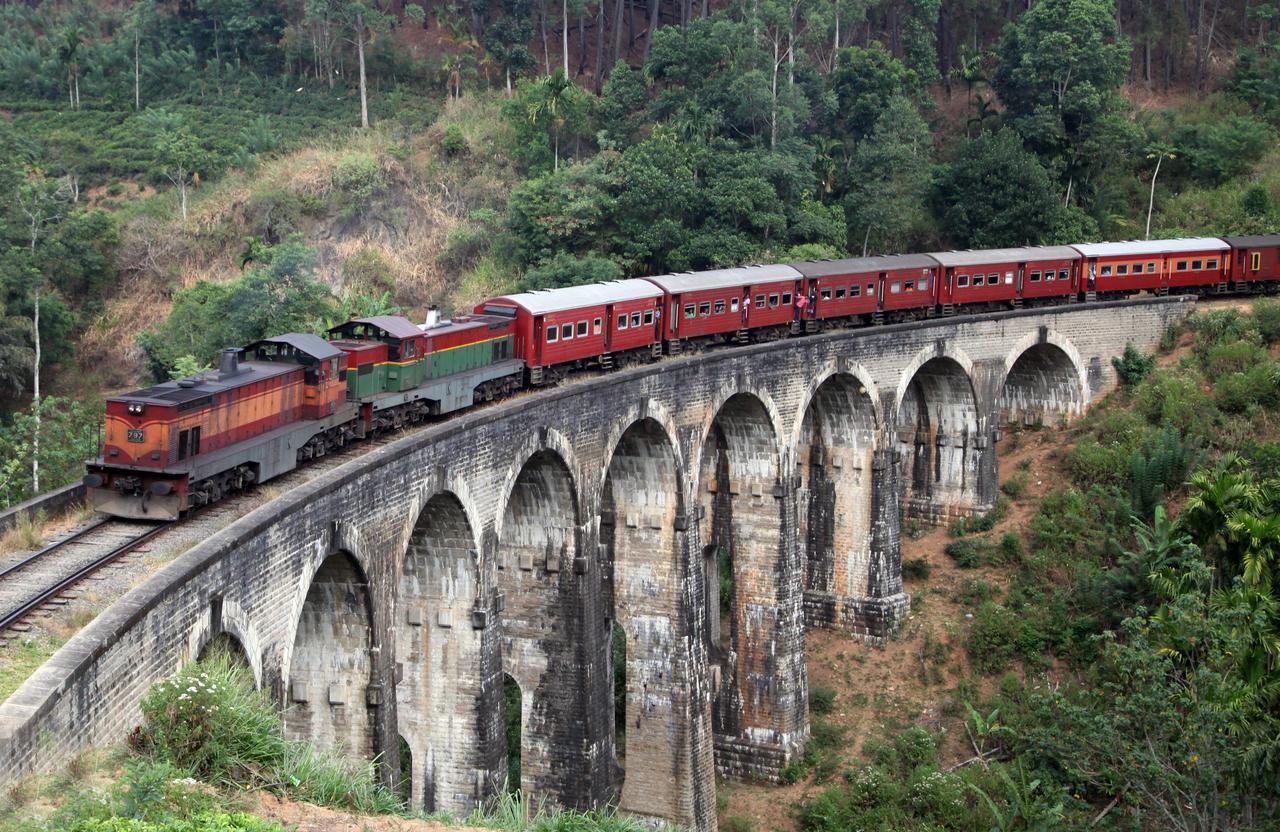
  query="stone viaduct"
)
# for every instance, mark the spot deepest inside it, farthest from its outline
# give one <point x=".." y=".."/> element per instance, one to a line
<point x="711" y="507"/>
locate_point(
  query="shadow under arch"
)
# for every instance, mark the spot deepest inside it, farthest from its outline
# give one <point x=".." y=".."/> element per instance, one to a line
<point x="642" y="525"/>
<point x="939" y="441"/>
<point x="440" y="652"/>
<point x="537" y="549"/>
<point x="834" y="459"/>
<point x="331" y="662"/>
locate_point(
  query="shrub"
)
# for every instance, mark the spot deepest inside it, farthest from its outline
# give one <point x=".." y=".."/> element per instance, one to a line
<point x="1232" y="357"/>
<point x="1266" y="314"/>
<point x="822" y="699"/>
<point x="1133" y="366"/>
<point x="915" y="747"/>
<point x="993" y="638"/>
<point x="1014" y="487"/>
<point x="916" y="569"/>
<point x="737" y="823"/>
<point x="975" y="591"/>
<point x="453" y="142"/>
<point x="1171" y="397"/>
<point x="966" y="552"/>
<point x="1160" y="464"/>
<point x="360" y="177"/>
<point x="1010" y="549"/>
<point x="209" y="720"/>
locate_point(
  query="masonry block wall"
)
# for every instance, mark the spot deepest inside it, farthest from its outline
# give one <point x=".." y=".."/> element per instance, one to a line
<point x="391" y="598"/>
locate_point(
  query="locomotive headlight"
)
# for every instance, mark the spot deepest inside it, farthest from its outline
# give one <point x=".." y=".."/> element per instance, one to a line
<point x="135" y="408"/>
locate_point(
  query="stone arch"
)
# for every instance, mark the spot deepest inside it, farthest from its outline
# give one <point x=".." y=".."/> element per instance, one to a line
<point x="642" y="523"/>
<point x="331" y="663"/>
<point x="547" y="442"/>
<point x="1044" y="380"/>
<point x="438" y="649"/>
<point x="537" y="554"/>
<point x="757" y="651"/>
<point x="939" y="438"/>
<point x="834" y="449"/>
<point x="771" y="416"/>
<point x="225" y="617"/>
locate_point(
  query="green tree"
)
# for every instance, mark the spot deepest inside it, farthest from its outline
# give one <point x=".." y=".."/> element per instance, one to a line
<point x="889" y="179"/>
<point x="281" y="294"/>
<point x="622" y="106"/>
<point x="1059" y="72"/>
<point x="864" y="82"/>
<point x="996" y="193"/>
<point x="552" y="106"/>
<point x="181" y="156"/>
<point x="569" y="270"/>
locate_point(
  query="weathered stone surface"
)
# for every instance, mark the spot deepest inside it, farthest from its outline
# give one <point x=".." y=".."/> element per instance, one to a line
<point x="388" y="599"/>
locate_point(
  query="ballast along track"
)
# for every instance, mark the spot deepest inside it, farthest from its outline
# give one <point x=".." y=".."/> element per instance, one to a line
<point x="43" y="576"/>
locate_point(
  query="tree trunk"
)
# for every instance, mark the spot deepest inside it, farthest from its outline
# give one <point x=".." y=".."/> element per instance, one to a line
<point x="564" y="36"/>
<point x="1151" y="201"/>
<point x="617" y="32"/>
<point x="542" y="34"/>
<point x="77" y="77"/>
<point x="182" y="194"/>
<point x="654" y="5"/>
<point x="773" y="89"/>
<point x="137" y="73"/>
<point x="35" y="395"/>
<point x="364" y="93"/>
<point x="599" y="45"/>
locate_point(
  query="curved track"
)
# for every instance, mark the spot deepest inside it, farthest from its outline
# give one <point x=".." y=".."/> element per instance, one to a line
<point x="41" y="577"/>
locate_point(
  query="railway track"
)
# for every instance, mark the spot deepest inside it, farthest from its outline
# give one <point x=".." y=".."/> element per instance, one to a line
<point x="45" y="577"/>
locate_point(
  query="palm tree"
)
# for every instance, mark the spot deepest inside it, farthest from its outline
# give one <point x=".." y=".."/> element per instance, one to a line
<point x="69" y="55"/>
<point x="1216" y="495"/>
<point x="553" y="103"/>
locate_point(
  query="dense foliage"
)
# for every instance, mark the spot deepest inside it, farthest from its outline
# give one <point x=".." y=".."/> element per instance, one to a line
<point x="1162" y="628"/>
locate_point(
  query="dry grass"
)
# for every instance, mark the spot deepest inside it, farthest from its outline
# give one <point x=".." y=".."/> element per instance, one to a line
<point x="26" y="535"/>
<point x="408" y="226"/>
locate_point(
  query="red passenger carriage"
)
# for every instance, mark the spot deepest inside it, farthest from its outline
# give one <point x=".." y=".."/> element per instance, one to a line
<point x="996" y="278"/>
<point x="725" y="304"/>
<point x="853" y="289"/>
<point x="1161" y="266"/>
<point x="605" y="324"/>
<point x="1255" y="260"/>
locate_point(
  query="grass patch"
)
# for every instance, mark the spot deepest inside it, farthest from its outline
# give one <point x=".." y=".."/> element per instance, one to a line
<point x="26" y="535"/>
<point x="21" y="657"/>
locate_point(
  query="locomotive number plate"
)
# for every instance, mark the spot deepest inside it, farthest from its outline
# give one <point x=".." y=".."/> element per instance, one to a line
<point x="135" y="435"/>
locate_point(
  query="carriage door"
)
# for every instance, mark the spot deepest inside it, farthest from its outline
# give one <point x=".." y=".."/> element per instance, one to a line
<point x="1022" y="268"/>
<point x="880" y="293"/>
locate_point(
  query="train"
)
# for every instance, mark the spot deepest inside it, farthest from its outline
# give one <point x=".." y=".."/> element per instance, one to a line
<point x="278" y="402"/>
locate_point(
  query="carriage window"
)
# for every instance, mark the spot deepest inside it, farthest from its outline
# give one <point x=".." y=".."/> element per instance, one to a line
<point x="826" y="294"/>
<point x="895" y="287"/>
<point x="622" y="321"/>
<point x="840" y="292"/>
<point x="1182" y="265"/>
<point x="552" y="334"/>
<point x="582" y="329"/>
<point x="408" y="349"/>
<point x="595" y="327"/>
<point x="704" y="309"/>
<point x="635" y="319"/>
<point x="759" y="301"/>
<point x="566" y="332"/>
<point x="911" y="286"/>
<point x="1211" y="264"/>
<point x="719" y="307"/>
<point x="855" y="291"/>
<point x="1196" y="265"/>
<point x="786" y="298"/>
<point x="1255" y="260"/>
<point x="978" y="280"/>
<point x="733" y="304"/>
<point x="690" y="311"/>
<point x="1062" y="275"/>
<point x="1106" y="271"/>
<point x="773" y="301"/>
<point x="871" y="289"/>
<point x="1123" y="268"/>
<point x="1151" y="268"/>
<point x="962" y="280"/>
<point x="923" y="284"/>
<point x="1035" y="277"/>
<point x="648" y="316"/>
<point x="1008" y="277"/>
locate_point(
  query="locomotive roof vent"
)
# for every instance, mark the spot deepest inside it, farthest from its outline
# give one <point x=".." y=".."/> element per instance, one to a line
<point x="230" y="364"/>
